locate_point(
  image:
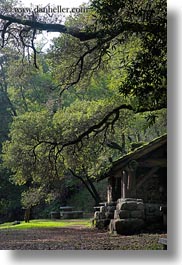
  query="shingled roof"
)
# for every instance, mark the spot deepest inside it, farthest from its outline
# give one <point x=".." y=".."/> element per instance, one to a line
<point x="136" y="154"/>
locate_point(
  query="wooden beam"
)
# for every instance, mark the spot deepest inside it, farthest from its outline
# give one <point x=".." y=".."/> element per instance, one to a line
<point x="146" y="177"/>
<point x="131" y="184"/>
<point x="157" y="162"/>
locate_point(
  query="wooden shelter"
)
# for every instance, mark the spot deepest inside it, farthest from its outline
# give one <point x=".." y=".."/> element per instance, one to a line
<point x="140" y="174"/>
<point x="137" y="191"/>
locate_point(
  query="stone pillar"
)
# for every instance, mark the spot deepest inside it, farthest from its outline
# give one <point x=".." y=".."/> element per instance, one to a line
<point x="129" y="216"/>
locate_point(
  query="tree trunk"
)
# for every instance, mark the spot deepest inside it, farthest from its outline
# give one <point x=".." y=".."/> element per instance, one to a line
<point x="96" y="194"/>
<point x="89" y="186"/>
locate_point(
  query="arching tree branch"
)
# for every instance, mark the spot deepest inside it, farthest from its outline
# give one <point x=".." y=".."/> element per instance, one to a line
<point x="84" y="35"/>
<point x="105" y="123"/>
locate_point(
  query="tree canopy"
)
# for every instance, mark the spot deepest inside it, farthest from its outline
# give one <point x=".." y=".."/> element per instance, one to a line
<point x="74" y="108"/>
<point x="107" y="26"/>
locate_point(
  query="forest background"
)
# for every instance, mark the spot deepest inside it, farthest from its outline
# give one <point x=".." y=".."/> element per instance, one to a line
<point x="69" y="110"/>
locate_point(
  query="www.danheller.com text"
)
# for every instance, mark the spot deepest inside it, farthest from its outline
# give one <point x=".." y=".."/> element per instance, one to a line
<point x="50" y="9"/>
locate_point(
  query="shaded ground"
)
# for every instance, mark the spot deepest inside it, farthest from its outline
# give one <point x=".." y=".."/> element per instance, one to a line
<point x="76" y="238"/>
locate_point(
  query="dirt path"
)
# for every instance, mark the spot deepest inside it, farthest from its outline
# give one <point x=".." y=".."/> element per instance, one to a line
<point x="76" y="238"/>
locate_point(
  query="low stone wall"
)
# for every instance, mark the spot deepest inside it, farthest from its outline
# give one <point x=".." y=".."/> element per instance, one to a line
<point x="128" y="216"/>
<point x="103" y="216"/>
<point x="154" y="217"/>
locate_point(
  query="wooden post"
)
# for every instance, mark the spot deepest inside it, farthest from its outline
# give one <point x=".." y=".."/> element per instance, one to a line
<point x="109" y="193"/>
<point x="123" y="184"/>
<point x="131" y="186"/>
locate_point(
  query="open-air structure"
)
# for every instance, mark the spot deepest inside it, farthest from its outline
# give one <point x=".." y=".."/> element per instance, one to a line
<point x="137" y="188"/>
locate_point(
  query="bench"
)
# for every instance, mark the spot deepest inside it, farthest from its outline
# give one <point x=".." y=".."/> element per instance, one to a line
<point x="66" y="212"/>
<point x="66" y="208"/>
<point x="71" y="214"/>
<point x="163" y="241"/>
<point x="55" y="215"/>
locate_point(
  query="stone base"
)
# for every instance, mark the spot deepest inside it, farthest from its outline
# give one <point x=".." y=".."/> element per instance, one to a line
<point x="104" y="214"/>
<point x="102" y="223"/>
<point x="126" y="226"/>
<point x="128" y="216"/>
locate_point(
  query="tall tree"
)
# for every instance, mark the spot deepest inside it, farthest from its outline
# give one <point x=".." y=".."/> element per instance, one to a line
<point x="9" y="193"/>
<point x="120" y="43"/>
<point x="111" y="23"/>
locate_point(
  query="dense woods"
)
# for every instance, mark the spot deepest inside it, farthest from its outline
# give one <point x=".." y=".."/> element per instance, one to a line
<point x="69" y="109"/>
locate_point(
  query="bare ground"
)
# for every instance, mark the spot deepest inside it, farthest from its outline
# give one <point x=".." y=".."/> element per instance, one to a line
<point x="75" y="238"/>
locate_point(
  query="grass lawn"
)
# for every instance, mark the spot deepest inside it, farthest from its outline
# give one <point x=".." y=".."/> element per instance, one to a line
<point x="46" y="224"/>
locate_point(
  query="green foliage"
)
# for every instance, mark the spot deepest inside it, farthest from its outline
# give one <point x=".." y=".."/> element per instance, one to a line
<point x="110" y="12"/>
<point x="47" y="150"/>
<point x="82" y="200"/>
<point x="147" y="75"/>
<point x="9" y="194"/>
<point x="31" y="89"/>
<point x="32" y="197"/>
